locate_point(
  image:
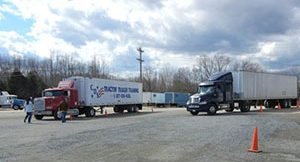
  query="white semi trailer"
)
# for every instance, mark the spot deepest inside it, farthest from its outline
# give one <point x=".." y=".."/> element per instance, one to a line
<point x="154" y="98"/>
<point x="84" y="94"/>
<point x="242" y="89"/>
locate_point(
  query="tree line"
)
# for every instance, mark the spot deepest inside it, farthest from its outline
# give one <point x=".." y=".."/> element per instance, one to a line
<point x="29" y="76"/>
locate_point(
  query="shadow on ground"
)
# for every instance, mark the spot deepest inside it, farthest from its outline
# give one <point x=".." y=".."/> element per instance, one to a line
<point x="102" y="116"/>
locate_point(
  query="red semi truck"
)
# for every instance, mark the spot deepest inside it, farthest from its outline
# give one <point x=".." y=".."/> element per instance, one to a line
<point x="84" y="94"/>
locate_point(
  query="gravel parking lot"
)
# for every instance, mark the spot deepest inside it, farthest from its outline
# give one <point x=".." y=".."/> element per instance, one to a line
<point x="167" y="134"/>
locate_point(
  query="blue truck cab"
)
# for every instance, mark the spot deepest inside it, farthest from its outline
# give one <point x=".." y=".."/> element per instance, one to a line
<point x="17" y="104"/>
<point x="212" y="94"/>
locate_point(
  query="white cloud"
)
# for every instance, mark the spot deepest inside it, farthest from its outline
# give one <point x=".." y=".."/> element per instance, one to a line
<point x="172" y="32"/>
<point x="14" y="43"/>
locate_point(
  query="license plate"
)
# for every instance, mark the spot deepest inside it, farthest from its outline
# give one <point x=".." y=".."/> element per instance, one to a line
<point x="194" y="106"/>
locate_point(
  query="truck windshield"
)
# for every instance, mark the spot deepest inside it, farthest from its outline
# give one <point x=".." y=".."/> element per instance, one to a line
<point x="53" y="93"/>
<point x="206" y="89"/>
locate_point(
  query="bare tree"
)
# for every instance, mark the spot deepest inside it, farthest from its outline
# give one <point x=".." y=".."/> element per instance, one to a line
<point x="181" y="81"/>
<point x="166" y="78"/>
<point x="206" y="65"/>
<point x="149" y="79"/>
<point x="247" y="65"/>
<point x="98" y="67"/>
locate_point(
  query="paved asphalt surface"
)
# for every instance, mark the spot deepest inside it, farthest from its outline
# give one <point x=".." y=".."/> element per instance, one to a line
<point x="167" y="134"/>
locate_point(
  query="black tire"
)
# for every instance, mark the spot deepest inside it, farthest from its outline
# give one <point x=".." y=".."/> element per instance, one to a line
<point x="267" y="104"/>
<point x="289" y="104"/>
<point x="272" y="105"/>
<point x="121" y="110"/>
<point x="212" y="109"/>
<point x="16" y="107"/>
<point x="136" y="109"/>
<point x="38" y="117"/>
<point x="90" y="112"/>
<point x="230" y="109"/>
<point x="285" y="104"/>
<point x="194" y="113"/>
<point x="118" y="109"/>
<point x="245" y="108"/>
<point x="56" y="115"/>
<point x="130" y="109"/>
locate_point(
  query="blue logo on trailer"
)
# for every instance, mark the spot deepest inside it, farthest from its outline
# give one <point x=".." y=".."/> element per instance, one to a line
<point x="118" y="92"/>
<point x="97" y="91"/>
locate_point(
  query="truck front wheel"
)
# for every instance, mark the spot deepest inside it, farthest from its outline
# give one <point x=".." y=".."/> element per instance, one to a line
<point x="38" y="117"/>
<point x="57" y="115"/>
<point x="212" y="109"/>
<point x="245" y="108"/>
<point x="90" y="112"/>
<point x="16" y="107"/>
<point x="194" y="113"/>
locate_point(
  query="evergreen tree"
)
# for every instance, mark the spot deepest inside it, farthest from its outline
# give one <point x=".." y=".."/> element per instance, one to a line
<point x="17" y="84"/>
<point x="35" y="84"/>
<point x="3" y="86"/>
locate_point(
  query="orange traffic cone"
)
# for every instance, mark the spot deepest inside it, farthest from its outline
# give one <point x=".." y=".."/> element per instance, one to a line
<point x="261" y="110"/>
<point x="279" y="106"/>
<point x="105" y="113"/>
<point x="254" y="144"/>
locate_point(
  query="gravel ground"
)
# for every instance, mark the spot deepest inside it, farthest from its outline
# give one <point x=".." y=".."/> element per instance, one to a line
<point x="168" y="134"/>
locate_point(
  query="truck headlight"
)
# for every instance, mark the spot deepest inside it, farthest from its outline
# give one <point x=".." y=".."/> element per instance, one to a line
<point x="189" y="101"/>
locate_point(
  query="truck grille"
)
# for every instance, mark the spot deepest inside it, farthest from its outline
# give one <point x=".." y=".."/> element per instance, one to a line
<point x="39" y="104"/>
<point x="194" y="100"/>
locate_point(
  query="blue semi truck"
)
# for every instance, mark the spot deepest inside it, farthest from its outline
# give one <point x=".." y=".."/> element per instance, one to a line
<point x="241" y="90"/>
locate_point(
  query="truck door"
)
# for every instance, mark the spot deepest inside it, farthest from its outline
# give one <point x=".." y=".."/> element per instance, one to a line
<point x="220" y="92"/>
<point x="224" y="91"/>
<point x="228" y="92"/>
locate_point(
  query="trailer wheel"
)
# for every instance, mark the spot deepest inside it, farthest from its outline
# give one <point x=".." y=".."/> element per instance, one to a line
<point x="38" y="117"/>
<point x="135" y="109"/>
<point x="118" y="109"/>
<point x="289" y="103"/>
<point x="266" y="104"/>
<point x="90" y="112"/>
<point x="286" y="104"/>
<point x="194" y="113"/>
<point x="121" y="110"/>
<point x="212" y="110"/>
<point x="130" y="109"/>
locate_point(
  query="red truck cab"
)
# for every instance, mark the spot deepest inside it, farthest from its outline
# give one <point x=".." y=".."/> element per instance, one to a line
<point x="49" y="103"/>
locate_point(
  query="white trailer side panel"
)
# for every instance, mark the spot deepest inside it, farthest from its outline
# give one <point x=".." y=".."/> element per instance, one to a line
<point x="153" y="98"/>
<point x="98" y="92"/>
<point x="158" y="98"/>
<point x="147" y="97"/>
<point x="256" y="86"/>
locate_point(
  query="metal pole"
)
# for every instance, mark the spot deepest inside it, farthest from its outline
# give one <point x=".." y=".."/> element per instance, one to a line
<point x="141" y="61"/>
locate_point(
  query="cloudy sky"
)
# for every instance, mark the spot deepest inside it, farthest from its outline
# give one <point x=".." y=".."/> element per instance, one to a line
<point x="171" y="32"/>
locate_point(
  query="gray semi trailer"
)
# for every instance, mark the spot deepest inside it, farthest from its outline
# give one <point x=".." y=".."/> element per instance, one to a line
<point x="241" y="90"/>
